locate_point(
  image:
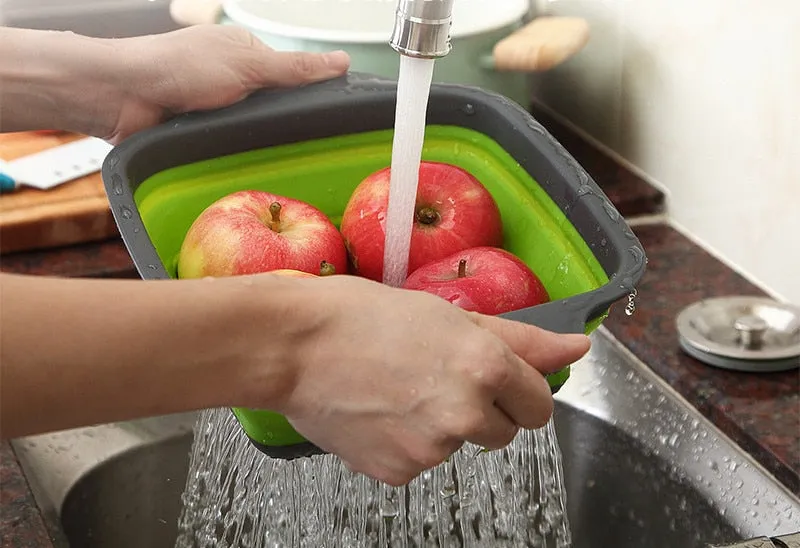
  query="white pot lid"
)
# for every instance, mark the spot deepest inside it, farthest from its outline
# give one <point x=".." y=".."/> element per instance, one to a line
<point x="361" y="21"/>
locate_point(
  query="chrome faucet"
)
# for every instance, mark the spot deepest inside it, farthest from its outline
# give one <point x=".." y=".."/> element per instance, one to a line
<point x="422" y="28"/>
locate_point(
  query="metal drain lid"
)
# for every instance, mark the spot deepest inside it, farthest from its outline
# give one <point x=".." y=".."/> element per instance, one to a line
<point x="753" y="334"/>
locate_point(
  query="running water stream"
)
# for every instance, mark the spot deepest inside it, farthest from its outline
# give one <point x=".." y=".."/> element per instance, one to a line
<point x="413" y="89"/>
<point x="238" y="497"/>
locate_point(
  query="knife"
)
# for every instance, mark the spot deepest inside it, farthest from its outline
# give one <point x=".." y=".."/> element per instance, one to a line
<point x="54" y="166"/>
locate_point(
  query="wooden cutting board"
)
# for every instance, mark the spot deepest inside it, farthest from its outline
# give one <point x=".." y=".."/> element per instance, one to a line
<point x="71" y="213"/>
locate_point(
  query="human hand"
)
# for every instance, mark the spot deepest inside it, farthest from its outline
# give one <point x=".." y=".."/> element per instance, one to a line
<point x="114" y="88"/>
<point x="394" y="381"/>
<point x="205" y="67"/>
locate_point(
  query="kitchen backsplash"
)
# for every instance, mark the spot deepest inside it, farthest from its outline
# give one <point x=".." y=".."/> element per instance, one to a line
<point x="704" y="98"/>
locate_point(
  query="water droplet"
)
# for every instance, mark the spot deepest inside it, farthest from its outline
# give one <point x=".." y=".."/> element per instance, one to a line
<point x="468" y="109"/>
<point x="611" y="211"/>
<point x="152" y="267"/>
<point x="449" y="490"/>
<point x="116" y="185"/>
<point x="673" y="440"/>
<point x="389" y="509"/>
<point x="126" y="212"/>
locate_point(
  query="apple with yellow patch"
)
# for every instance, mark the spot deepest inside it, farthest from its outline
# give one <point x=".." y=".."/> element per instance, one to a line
<point x="453" y="212"/>
<point x="251" y="231"/>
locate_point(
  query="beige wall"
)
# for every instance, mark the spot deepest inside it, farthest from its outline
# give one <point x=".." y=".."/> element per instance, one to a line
<point x="704" y="97"/>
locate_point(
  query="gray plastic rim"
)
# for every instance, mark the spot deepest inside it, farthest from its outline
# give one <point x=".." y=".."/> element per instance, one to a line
<point x="357" y="103"/>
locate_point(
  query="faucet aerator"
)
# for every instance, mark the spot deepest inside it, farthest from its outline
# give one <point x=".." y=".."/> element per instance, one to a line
<point x="422" y="28"/>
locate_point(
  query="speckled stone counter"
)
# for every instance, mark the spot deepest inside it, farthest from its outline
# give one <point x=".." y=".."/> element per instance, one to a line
<point x="21" y="524"/>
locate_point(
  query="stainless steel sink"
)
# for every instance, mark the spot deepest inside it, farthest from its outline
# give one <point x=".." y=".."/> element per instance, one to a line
<point x="642" y="468"/>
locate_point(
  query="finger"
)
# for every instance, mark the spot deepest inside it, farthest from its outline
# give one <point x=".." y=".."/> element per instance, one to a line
<point x="393" y="473"/>
<point x="496" y="430"/>
<point x="546" y="351"/>
<point x="295" y="68"/>
<point x="526" y="399"/>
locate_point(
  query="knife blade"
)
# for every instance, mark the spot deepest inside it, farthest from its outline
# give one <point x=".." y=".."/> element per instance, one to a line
<point x="55" y="166"/>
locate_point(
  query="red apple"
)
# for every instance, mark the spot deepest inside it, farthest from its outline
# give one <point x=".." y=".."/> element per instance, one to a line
<point x="250" y="231"/>
<point x="481" y="279"/>
<point x="453" y="211"/>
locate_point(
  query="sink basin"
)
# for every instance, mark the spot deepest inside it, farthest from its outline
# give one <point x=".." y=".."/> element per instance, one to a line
<point x="642" y="469"/>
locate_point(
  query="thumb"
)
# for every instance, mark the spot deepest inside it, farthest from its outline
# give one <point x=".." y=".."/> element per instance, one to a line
<point x="545" y="351"/>
<point x="295" y="68"/>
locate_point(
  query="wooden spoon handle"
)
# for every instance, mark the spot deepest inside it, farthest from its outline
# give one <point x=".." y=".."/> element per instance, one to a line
<point x="195" y="12"/>
<point x="542" y="44"/>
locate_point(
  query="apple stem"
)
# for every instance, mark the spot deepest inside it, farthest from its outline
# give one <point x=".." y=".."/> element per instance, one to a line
<point x="427" y="216"/>
<point x="326" y="269"/>
<point x="275" y="211"/>
<point x="462" y="268"/>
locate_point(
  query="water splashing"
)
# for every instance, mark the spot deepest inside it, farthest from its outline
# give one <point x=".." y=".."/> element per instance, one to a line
<point x="237" y="497"/>
<point x="413" y="89"/>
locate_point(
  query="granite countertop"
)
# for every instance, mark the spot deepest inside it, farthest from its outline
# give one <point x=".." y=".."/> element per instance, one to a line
<point x="761" y="412"/>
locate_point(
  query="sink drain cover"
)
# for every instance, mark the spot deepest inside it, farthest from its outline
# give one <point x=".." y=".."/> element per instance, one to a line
<point x="753" y="334"/>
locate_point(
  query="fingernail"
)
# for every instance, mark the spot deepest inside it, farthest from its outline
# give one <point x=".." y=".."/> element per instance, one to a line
<point x="337" y="60"/>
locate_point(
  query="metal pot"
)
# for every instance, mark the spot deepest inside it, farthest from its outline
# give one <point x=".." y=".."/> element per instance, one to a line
<point x="494" y="46"/>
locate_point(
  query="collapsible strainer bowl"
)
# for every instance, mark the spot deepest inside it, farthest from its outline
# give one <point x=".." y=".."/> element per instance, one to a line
<point x="316" y="143"/>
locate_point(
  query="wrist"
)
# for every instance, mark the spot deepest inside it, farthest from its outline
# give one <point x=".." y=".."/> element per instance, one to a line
<point x="57" y="80"/>
<point x="275" y="322"/>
